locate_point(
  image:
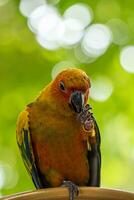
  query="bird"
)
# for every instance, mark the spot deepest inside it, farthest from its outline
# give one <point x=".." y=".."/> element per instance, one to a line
<point x="58" y="136"/>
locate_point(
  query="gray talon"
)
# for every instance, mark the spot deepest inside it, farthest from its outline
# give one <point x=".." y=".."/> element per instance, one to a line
<point x="73" y="189"/>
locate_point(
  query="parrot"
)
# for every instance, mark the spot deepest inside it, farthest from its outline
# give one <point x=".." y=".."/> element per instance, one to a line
<point x="58" y="136"/>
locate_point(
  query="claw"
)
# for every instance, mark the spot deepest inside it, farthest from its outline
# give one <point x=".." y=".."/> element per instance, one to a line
<point x="73" y="189"/>
<point x="86" y="118"/>
<point x="85" y="115"/>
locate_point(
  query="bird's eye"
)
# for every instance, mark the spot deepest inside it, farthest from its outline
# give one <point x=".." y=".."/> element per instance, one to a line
<point x="62" y="86"/>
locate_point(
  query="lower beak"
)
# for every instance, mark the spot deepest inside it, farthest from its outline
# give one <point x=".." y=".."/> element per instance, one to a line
<point x="77" y="101"/>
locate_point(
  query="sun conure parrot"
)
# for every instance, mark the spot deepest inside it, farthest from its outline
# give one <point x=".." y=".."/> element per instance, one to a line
<point x="58" y="136"/>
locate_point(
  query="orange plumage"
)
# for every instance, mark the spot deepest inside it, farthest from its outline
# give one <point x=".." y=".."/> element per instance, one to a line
<point x="57" y="141"/>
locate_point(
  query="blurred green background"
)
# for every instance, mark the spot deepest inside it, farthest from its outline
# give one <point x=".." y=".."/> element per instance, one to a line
<point x="26" y="67"/>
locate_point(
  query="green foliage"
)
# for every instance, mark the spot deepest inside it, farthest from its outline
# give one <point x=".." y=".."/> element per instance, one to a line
<point x="25" y="68"/>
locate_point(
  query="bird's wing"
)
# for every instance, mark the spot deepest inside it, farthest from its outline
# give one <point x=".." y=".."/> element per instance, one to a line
<point x="25" y="146"/>
<point x="94" y="157"/>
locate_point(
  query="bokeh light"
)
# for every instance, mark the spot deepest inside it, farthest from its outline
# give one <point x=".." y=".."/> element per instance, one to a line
<point x="60" y="67"/>
<point x="47" y="44"/>
<point x="27" y="6"/>
<point x="60" y="31"/>
<point x="8" y="176"/>
<point x="101" y="89"/>
<point x="50" y="27"/>
<point x="127" y="58"/>
<point x="73" y="32"/>
<point x="2" y="177"/>
<point x="38" y="14"/>
<point x="81" y="12"/>
<point x="120" y="31"/>
<point x="54" y="31"/>
<point x="81" y="56"/>
<point x="96" y="40"/>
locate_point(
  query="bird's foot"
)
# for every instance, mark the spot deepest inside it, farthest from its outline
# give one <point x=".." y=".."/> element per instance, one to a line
<point x="85" y="114"/>
<point x="73" y="189"/>
<point x="86" y="118"/>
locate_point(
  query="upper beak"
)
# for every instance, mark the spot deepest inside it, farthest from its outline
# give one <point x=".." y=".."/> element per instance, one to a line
<point x="77" y="101"/>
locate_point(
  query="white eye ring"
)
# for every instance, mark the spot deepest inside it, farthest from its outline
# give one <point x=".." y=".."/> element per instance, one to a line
<point x="62" y="86"/>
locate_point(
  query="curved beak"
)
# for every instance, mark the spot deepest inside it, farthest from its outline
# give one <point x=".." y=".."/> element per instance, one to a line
<point x="77" y="101"/>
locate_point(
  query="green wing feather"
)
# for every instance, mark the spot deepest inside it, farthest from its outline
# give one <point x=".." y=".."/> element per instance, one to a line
<point x="25" y="146"/>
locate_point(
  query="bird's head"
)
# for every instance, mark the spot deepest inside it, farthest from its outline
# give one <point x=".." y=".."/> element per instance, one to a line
<point x="71" y="89"/>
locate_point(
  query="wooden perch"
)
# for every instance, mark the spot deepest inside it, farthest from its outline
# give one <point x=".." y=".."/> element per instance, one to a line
<point x="86" y="193"/>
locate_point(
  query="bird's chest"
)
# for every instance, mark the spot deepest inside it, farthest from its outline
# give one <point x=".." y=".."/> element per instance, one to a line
<point x="58" y="145"/>
<point x="58" y="137"/>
